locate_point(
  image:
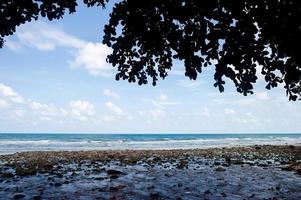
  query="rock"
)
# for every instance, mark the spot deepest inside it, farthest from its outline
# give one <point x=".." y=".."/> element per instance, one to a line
<point x="114" y="176"/>
<point x="286" y="168"/>
<point x="19" y="196"/>
<point x="114" y="172"/>
<point x="20" y="171"/>
<point x="253" y="195"/>
<point x="207" y="192"/>
<point x="236" y="162"/>
<point x="151" y="187"/>
<point x="99" y="178"/>
<point x="217" y="163"/>
<point x="7" y="175"/>
<point x="98" y="170"/>
<point x="220" y="169"/>
<point x="58" y="184"/>
<point x="117" y="188"/>
<point x="154" y="195"/>
<point x="59" y="175"/>
<point x="183" y="164"/>
<point x="37" y="197"/>
<point x="226" y="164"/>
<point x="263" y="165"/>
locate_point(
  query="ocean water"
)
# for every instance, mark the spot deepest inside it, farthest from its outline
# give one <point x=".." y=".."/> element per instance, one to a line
<point x="11" y="143"/>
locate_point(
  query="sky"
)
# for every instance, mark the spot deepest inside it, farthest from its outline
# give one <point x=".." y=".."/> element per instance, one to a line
<point x="54" y="79"/>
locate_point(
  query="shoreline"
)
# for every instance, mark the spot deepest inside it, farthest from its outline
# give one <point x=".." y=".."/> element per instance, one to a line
<point x="11" y="143"/>
<point x="254" y="172"/>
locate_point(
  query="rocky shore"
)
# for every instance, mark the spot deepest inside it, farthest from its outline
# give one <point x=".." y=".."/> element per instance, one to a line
<point x="254" y="172"/>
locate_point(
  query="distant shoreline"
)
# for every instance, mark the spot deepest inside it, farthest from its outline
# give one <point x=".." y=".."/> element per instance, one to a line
<point x="212" y="133"/>
<point x="11" y="143"/>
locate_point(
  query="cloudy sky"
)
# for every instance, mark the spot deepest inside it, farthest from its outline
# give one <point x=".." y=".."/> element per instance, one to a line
<point x="54" y="78"/>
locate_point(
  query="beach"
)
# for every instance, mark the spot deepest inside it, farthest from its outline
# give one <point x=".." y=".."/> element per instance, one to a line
<point x="241" y="172"/>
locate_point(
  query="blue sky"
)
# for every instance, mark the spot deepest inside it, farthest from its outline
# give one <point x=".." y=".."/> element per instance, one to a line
<point x="54" y="78"/>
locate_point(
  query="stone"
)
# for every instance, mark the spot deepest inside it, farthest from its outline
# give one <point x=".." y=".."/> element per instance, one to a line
<point x="224" y="194"/>
<point x="114" y="172"/>
<point x="7" y="175"/>
<point x="207" y="192"/>
<point x="37" y="197"/>
<point x="183" y="164"/>
<point x="117" y="188"/>
<point x="20" y="171"/>
<point x="220" y="169"/>
<point x="154" y="195"/>
<point x="99" y="178"/>
<point x="19" y="196"/>
<point x="114" y="176"/>
<point x="58" y="184"/>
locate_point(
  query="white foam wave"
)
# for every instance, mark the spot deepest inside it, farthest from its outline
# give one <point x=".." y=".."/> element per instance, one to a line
<point x="12" y="146"/>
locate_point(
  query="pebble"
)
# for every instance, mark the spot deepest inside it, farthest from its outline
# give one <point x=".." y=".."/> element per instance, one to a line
<point x="154" y="195"/>
<point x="220" y="169"/>
<point x="116" y="188"/>
<point x="58" y="184"/>
<point x="19" y="196"/>
<point x="37" y="197"/>
<point x="114" y="172"/>
<point x="7" y="175"/>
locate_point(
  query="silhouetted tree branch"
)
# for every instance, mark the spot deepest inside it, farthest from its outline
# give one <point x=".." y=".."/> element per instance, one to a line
<point x="147" y="36"/>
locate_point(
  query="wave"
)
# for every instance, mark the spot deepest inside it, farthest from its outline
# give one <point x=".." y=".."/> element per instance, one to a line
<point x="12" y="146"/>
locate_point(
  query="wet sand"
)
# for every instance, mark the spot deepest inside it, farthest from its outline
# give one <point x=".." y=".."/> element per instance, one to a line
<point x="255" y="172"/>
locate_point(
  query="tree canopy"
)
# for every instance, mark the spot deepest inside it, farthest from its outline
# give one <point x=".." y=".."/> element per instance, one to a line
<point x="237" y="38"/>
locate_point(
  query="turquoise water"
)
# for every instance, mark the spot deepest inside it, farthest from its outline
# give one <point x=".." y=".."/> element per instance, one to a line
<point x="14" y="142"/>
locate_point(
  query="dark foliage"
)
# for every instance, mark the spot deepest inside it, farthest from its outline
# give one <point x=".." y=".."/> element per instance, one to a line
<point x="16" y="12"/>
<point x="147" y="36"/>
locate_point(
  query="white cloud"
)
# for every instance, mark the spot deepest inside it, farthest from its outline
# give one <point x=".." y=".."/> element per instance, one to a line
<point x="92" y="57"/>
<point x="163" y="97"/>
<point x="3" y="104"/>
<point x="82" y="109"/>
<point x="161" y="101"/>
<point x="154" y="114"/>
<point x="246" y="101"/>
<point x="262" y="96"/>
<point x="20" y="113"/>
<point x="189" y="84"/>
<point x="110" y="93"/>
<point x="205" y="112"/>
<point x="107" y="118"/>
<point x="114" y="108"/>
<point x="44" y="37"/>
<point x="45" y="111"/>
<point x="8" y="92"/>
<point x="229" y="111"/>
<point x="12" y="45"/>
<point x="247" y="118"/>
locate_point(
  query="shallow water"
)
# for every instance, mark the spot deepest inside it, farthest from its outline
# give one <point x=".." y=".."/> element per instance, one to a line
<point x="164" y="181"/>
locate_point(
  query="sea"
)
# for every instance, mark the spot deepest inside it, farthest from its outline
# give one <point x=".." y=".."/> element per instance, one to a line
<point x="20" y="142"/>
